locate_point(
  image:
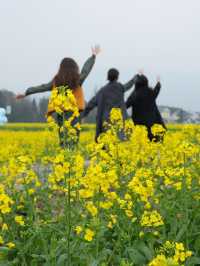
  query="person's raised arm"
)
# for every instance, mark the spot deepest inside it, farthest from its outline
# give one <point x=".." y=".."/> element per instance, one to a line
<point x="89" y="64"/>
<point x="90" y="106"/>
<point x="127" y="86"/>
<point x="37" y="89"/>
<point x="157" y="88"/>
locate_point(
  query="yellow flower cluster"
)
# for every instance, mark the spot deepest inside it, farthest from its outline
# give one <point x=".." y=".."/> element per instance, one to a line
<point x="88" y="233"/>
<point x="179" y="257"/>
<point x="161" y="260"/>
<point x="114" y="193"/>
<point x="62" y="99"/>
<point x="142" y="184"/>
<point x="116" y="118"/>
<point x="151" y="219"/>
<point x="19" y="220"/>
<point x="5" y="201"/>
<point x="63" y="102"/>
<point x="180" y="253"/>
<point x="91" y="208"/>
<point x="9" y="244"/>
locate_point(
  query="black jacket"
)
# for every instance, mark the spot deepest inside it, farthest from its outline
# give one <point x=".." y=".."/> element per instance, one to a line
<point x="143" y="103"/>
<point x="108" y="97"/>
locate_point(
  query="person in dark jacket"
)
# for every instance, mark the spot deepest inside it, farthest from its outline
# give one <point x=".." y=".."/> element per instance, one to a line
<point x="108" y="97"/>
<point x="143" y="102"/>
<point x="69" y="77"/>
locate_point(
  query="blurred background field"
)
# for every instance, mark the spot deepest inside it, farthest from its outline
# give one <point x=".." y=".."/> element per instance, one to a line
<point x="36" y="127"/>
<point x="84" y="128"/>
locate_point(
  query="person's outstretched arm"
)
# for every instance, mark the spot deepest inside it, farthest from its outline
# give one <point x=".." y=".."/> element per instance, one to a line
<point x="130" y="83"/>
<point x="90" y="106"/>
<point x="89" y="64"/>
<point x="37" y="89"/>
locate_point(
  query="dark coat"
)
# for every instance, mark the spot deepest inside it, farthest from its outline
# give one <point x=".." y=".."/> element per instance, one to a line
<point x="143" y="103"/>
<point x="109" y="97"/>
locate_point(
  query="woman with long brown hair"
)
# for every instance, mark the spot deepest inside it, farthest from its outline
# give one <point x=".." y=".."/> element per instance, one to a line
<point x="70" y="77"/>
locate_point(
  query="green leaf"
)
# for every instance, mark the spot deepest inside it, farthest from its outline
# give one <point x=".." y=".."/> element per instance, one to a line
<point x="94" y="263"/>
<point x="62" y="260"/>
<point x="146" y="251"/>
<point x="181" y="232"/>
<point x="136" y="257"/>
<point x="193" y="261"/>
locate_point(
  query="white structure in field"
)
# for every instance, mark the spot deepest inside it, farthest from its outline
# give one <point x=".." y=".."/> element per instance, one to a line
<point x="169" y="116"/>
<point x="3" y="118"/>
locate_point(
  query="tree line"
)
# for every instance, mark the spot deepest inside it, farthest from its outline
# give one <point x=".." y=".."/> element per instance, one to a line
<point x="28" y="110"/>
<point x="25" y="110"/>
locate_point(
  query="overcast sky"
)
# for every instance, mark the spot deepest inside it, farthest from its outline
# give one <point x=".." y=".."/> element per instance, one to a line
<point x="160" y="36"/>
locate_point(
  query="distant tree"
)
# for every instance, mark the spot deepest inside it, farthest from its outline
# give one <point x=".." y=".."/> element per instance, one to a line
<point x="42" y="106"/>
<point x="2" y="100"/>
<point x="21" y="111"/>
<point x="6" y="98"/>
<point x="35" y="114"/>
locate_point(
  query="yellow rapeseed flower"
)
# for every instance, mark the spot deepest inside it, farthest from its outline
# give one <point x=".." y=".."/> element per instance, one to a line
<point x="19" y="220"/>
<point x="10" y="244"/>
<point x="89" y="234"/>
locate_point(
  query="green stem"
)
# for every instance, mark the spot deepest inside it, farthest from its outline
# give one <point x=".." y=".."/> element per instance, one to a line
<point x="69" y="220"/>
<point x="185" y="198"/>
<point x="98" y="221"/>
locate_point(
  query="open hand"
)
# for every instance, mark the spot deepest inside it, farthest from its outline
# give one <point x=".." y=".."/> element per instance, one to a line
<point x="20" y="96"/>
<point x="96" y="50"/>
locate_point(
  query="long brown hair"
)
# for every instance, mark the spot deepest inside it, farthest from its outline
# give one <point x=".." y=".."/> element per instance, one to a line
<point x="68" y="74"/>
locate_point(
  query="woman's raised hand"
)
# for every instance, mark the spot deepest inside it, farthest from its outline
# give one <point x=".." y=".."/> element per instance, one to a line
<point x="96" y="50"/>
<point x="158" y="78"/>
<point x="141" y="71"/>
<point x="20" y="96"/>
